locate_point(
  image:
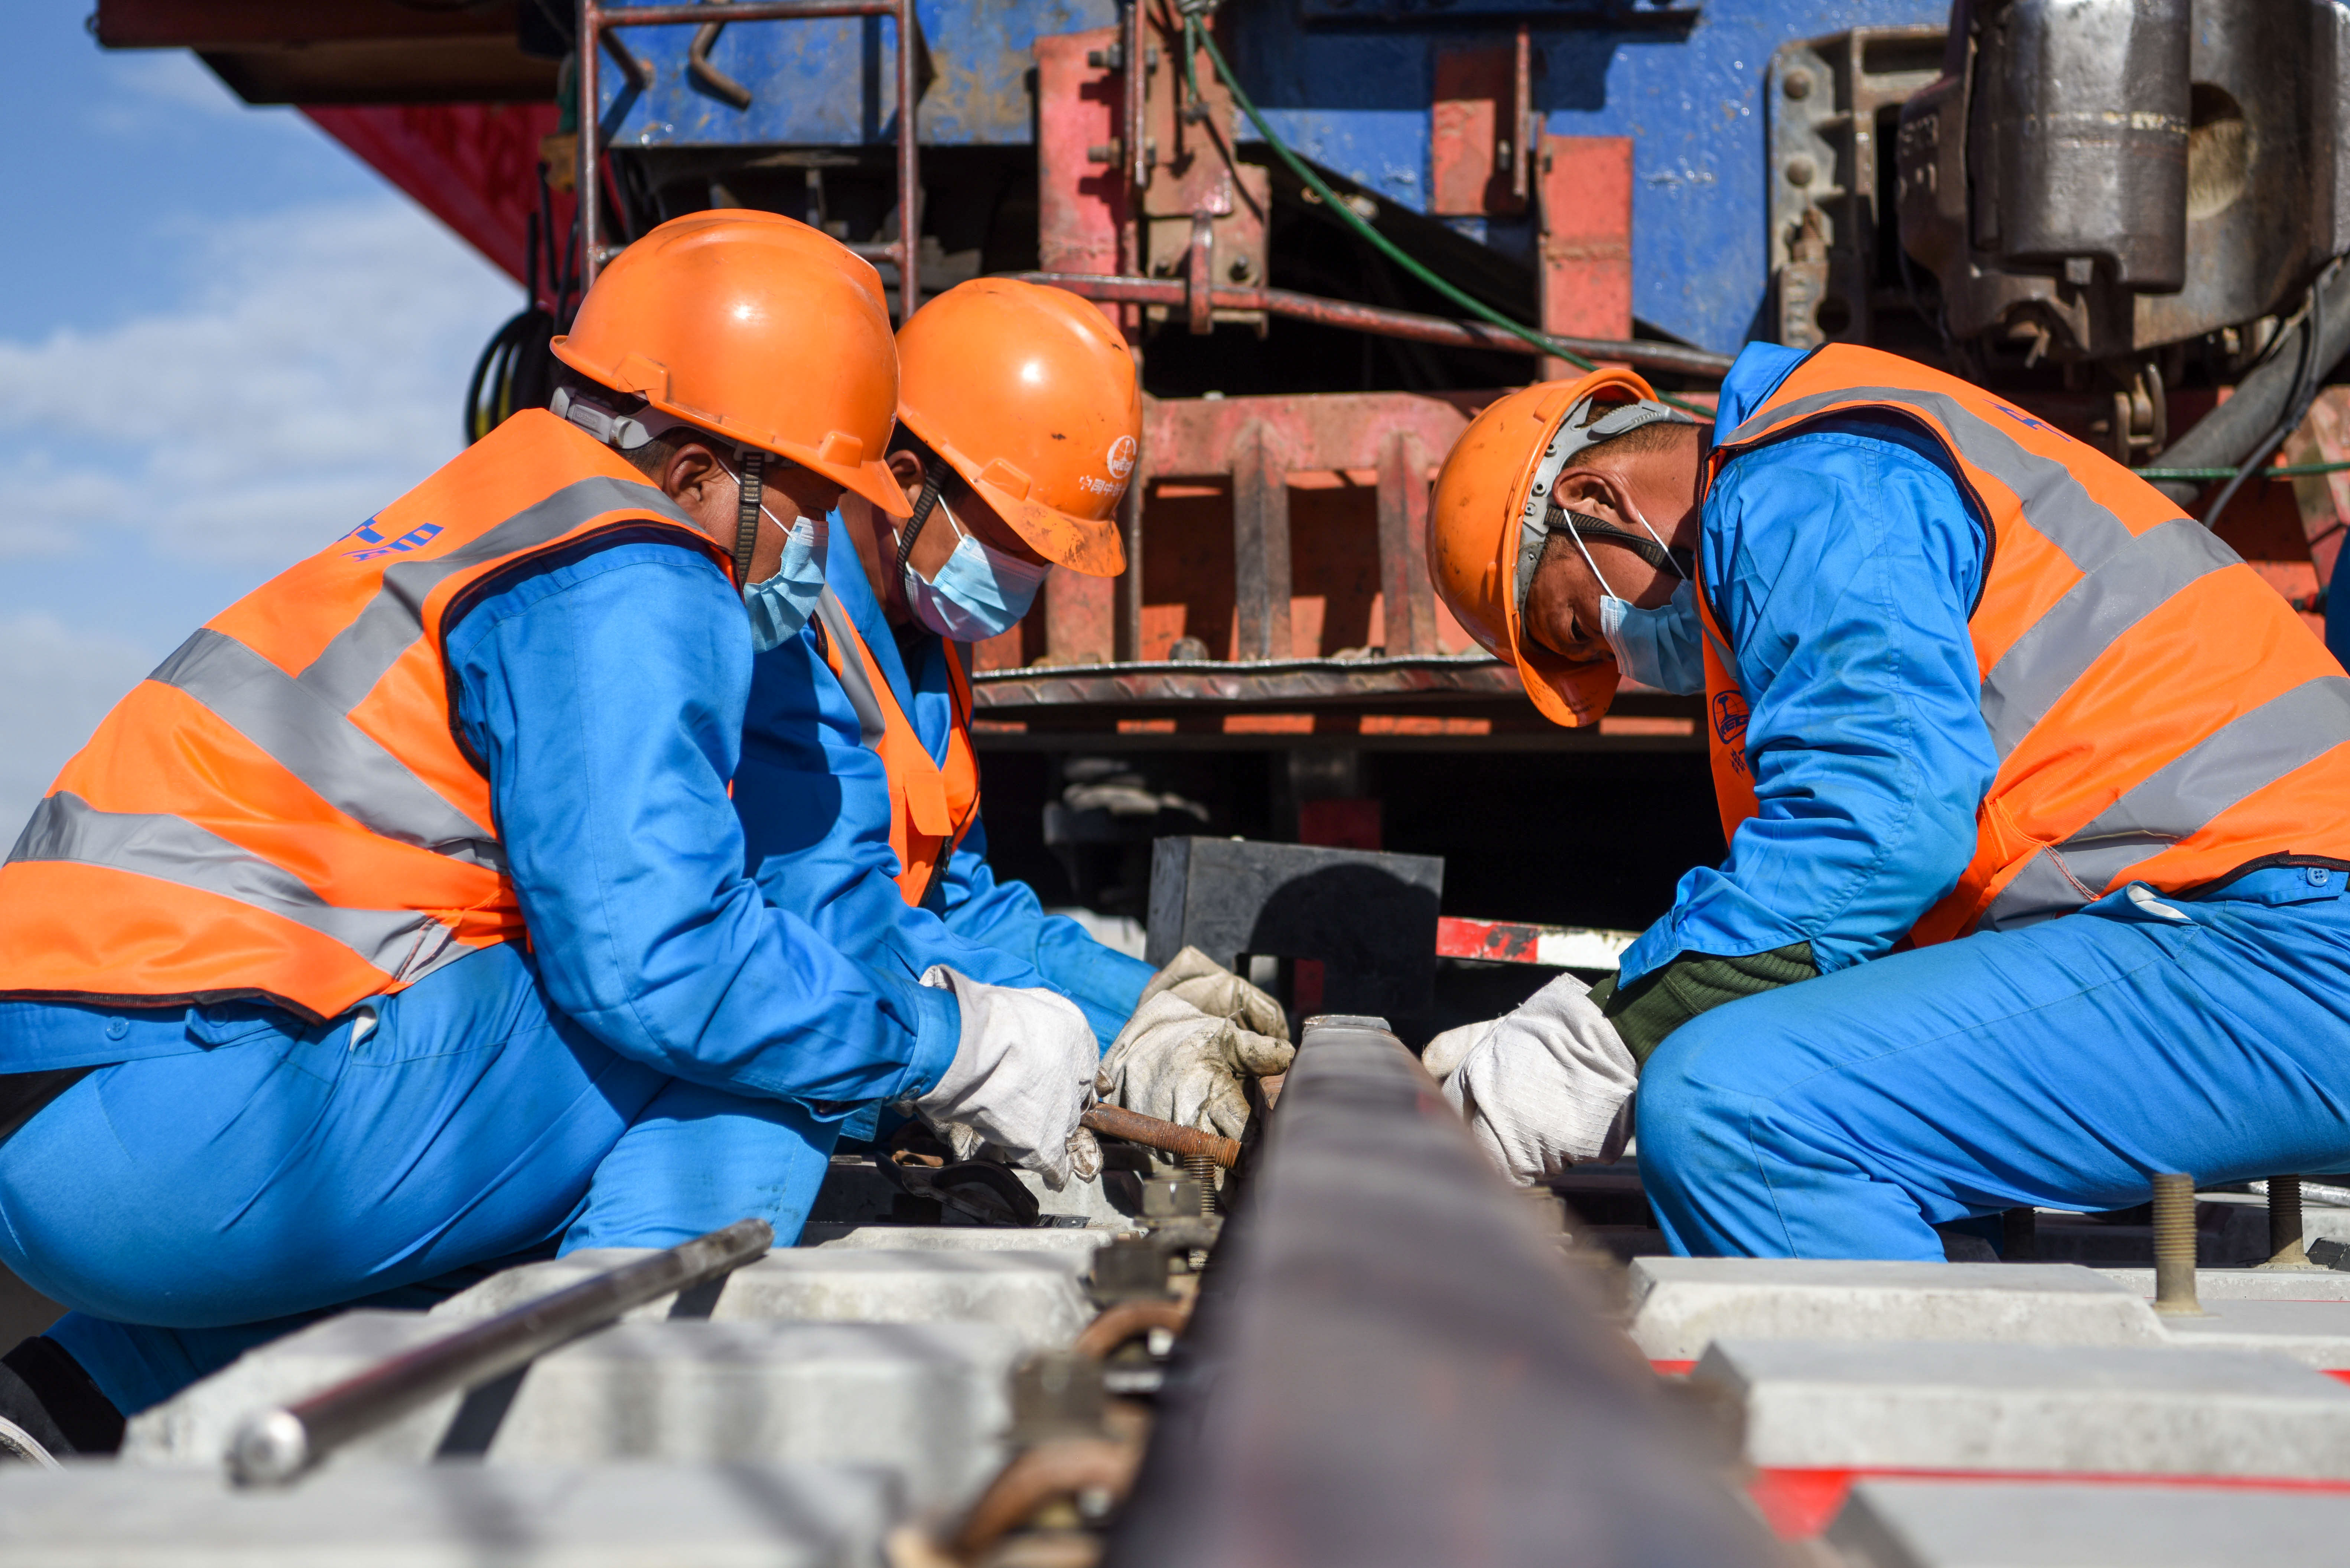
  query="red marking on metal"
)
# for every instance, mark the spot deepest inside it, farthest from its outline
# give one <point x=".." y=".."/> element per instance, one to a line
<point x="1587" y="241"/>
<point x="1472" y="132"/>
<point x="474" y="166"/>
<point x="2339" y="1374"/>
<point x="1495" y="941"/>
<point x="1799" y="1503"/>
<point x="1673" y="1368"/>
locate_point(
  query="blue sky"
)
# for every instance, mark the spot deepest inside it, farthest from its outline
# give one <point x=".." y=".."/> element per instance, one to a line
<point x="224" y="341"/>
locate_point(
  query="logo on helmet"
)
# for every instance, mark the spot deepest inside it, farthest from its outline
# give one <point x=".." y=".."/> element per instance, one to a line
<point x="1122" y="457"/>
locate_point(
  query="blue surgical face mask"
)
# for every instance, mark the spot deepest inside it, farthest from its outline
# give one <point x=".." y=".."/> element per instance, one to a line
<point x="979" y="591"/>
<point x="780" y="604"/>
<point x="1663" y="648"/>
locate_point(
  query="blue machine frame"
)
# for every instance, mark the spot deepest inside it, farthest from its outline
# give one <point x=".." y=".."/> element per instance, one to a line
<point x="1352" y="96"/>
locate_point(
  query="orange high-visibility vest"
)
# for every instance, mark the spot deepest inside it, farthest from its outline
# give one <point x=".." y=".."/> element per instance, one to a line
<point x="931" y="805"/>
<point x="283" y="810"/>
<point x="2159" y="712"/>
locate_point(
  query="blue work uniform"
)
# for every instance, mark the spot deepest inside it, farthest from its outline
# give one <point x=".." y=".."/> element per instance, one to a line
<point x="2056" y="1065"/>
<point x="671" y="1053"/>
<point x="815" y="805"/>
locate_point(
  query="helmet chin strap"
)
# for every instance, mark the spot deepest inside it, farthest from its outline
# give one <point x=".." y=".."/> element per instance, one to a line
<point x="934" y="476"/>
<point x="747" y="517"/>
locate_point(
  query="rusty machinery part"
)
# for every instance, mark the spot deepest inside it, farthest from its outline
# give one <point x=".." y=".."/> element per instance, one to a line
<point x="1093" y="1473"/>
<point x="1540" y="341"/>
<point x="2093" y="181"/>
<point x="1380" y="321"/>
<point x="1380" y="1257"/>
<point x="1129" y="1320"/>
<point x="277" y="1446"/>
<point x="697" y="64"/>
<point x="1171" y="1138"/>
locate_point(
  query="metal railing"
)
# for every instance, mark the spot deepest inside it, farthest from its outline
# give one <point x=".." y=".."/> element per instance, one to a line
<point x="594" y="22"/>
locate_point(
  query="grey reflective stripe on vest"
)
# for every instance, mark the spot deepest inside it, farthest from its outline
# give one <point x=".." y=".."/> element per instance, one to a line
<point x="402" y="943"/>
<point x="854" y="679"/>
<point x="2126" y="588"/>
<point x="2058" y="504"/>
<point x="2124" y="578"/>
<point x="348" y="768"/>
<point x="2248" y="753"/>
<point x="348" y="669"/>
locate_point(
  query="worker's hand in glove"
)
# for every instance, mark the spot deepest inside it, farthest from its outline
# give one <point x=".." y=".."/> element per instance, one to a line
<point x="1200" y="1030"/>
<point x="1220" y="993"/>
<point x="1543" y="1087"/>
<point x="1022" y="1075"/>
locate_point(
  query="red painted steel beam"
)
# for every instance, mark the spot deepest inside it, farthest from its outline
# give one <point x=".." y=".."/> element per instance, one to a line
<point x="1586" y="243"/>
<point x="1371" y="318"/>
<point x="473" y="166"/>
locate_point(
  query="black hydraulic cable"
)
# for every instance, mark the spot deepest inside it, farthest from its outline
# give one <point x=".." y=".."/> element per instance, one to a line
<point x="2225" y="436"/>
<point x="2310" y="373"/>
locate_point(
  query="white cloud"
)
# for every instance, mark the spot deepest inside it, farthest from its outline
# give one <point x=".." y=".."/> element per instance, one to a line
<point x="55" y="684"/>
<point x="313" y="374"/>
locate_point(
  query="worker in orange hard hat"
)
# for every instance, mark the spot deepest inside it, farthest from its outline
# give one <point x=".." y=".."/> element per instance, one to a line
<point x="1017" y="419"/>
<point x="1962" y="677"/>
<point x="399" y="922"/>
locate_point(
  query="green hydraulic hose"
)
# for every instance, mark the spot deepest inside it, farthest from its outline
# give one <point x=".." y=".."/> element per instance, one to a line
<point x="2283" y="470"/>
<point x="1197" y="37"/>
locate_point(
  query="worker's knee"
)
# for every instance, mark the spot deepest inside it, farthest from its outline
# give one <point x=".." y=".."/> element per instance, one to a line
<point x="1689" y="1121"/>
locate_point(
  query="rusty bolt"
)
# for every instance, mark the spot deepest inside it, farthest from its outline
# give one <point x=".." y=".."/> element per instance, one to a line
<point x="1800" y="171"/>
<point x="1798" y="85"/>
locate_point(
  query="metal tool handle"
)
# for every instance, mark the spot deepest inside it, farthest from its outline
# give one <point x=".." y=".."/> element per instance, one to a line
<point x="274" y="1446"/>
<point x="1172" y="1136"/>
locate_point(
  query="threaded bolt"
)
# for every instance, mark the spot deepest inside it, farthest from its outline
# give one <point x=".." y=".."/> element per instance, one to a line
<point x="2174" y="1245"/>
<point x="2284" y="1224"/>
<point x="1202" y="1170"/>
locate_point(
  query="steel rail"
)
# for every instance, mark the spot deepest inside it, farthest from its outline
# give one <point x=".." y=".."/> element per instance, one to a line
<point x="1391" y="1367"/>
<point x="1375" y="320"/>
<point x="594" y="22"/>
<point x="274" y="1446"/>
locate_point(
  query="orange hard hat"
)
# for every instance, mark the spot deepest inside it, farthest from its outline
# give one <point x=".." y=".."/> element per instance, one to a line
<point x="757" y="328"/>
<point x="1029" y="393"/>
<point x="1476" y="534"/>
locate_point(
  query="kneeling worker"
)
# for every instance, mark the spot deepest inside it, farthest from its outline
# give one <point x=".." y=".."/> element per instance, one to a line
<point x="1018" y="413"/>
<point x="398" y="924"/>
<point x="2037" y="802"/>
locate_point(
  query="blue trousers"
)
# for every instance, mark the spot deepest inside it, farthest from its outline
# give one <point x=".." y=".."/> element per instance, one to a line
<point x="190" y="1207"/>
<point x="2056" y="1065"/>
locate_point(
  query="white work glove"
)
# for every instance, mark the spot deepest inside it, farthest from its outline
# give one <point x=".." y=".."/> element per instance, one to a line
<point x="1022" y="1075"/>
<point x="1182" y="1055"/>
<point x="1543" y="1087"/>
